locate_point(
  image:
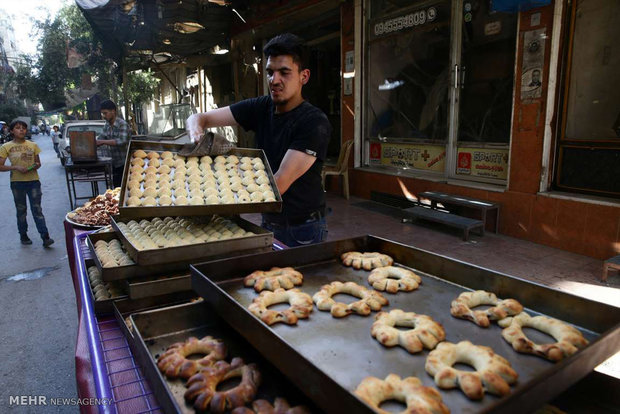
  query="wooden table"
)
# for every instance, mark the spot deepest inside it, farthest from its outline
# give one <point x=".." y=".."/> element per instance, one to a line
<point x="461" y="201"/>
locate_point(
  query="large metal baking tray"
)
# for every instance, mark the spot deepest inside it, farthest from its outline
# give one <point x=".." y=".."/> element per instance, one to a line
<point x="136" y="271"/>
<point x="336" y="354"/>
<point x="123" y="308"/>
<point x="156" y="330"/>
<point x="159" y="285"/>
<point x="262" y="239"/>
<point x="227" y="209"/>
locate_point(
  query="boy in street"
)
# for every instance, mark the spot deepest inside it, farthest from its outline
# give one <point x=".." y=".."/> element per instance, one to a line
<point x="25" y="161"/>
<point x="116" y="134"/>
<point x="55" y="140"/>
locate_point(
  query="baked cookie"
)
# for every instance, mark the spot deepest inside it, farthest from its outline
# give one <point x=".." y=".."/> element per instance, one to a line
<point x="493" y="373"/>
<point x="462" y="306"/>
<point x="392" y="279"/>
<point x="568" y="338"/>
<point x="273" y="279"/>
<point x="424" y="332"/>
<point x="301" y="306"/>
<point x="410" y="391"/>
<point x="366" y="261"/>
<point x="174" y="363"/>
<point x="370" y="299"/>
<point x="202" y="387"/>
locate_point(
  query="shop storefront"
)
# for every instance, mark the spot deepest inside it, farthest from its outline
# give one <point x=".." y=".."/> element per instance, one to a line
<point x="456" y="97"/>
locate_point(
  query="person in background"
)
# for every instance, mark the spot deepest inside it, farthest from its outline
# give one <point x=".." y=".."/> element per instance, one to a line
<point x="56" y="139"/>
<point x="294" y="135"/>
<point x="25" y="161"/>
<point x="116" y="134"/>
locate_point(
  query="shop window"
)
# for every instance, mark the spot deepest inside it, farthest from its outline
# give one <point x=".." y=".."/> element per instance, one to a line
<point x="588" y="150"/>
<point x="439" y="88"/>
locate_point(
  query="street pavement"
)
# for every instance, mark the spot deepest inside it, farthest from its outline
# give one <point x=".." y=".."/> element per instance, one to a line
<point x="39" y="316"/>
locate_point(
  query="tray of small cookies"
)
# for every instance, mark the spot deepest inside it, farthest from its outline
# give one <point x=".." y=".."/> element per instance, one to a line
<point x="411" y="327"/>
<point x="156" y="240"/>
<point x="103" y="294"/>
<point x="229" y="374"/>
<point x="159" y="182"/>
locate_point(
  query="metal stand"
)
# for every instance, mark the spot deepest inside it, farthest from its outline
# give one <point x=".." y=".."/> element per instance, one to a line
<point x="91" y="172"/>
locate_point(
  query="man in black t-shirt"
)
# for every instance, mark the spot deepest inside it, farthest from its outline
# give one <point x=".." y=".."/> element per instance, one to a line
<point x="294" y="135"/>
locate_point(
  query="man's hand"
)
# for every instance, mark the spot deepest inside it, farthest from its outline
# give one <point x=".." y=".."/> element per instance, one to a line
<point x="197" y="123"/>
<point x="194" y="127"/>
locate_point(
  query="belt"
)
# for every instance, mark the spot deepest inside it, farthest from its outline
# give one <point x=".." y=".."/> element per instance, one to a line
<point x="283" y="220"/>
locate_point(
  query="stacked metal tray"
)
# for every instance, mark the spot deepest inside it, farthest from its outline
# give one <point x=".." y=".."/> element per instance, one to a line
<point x="155" y="330"/>
<point x="336" y="354"/>
<point x="104" y="305"/>
<point x="261" y="239"/>
<point x="158" y="285"/>
<point x="191" y="210"/>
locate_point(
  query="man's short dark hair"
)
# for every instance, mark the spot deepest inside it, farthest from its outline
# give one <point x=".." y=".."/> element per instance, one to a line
<point x="108" y="104"/>
<point x="17" y="122"/>
<point x="288" y="44"/>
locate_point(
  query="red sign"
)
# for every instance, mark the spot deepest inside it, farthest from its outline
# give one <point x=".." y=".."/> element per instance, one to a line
<point x="375" y="151"/>
<point x="464" y="163"/>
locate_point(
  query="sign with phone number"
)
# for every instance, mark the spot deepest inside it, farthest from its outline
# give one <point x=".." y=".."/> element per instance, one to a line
<point x="395" y="24"/>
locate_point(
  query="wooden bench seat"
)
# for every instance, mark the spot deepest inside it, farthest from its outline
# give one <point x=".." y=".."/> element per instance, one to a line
<point x="612" y="263"/>
<point x="463" y="223"/>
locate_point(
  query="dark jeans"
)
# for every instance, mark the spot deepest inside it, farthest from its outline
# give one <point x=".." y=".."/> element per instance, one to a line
<point x="32" y="190"/>
<point x="312" y="231"/>
<point x="117" y="175"/>
<point x="57" y="150"/>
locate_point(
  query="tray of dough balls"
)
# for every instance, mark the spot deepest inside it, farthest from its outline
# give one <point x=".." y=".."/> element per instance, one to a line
<point x="103" y="293"/>
<point x="159" y="182"/>
<point x="157" y="240"/>
<point x="363" y="317"/>
<point x="196" y="363"/>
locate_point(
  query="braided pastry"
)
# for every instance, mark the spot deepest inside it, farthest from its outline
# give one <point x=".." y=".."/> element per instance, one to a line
<point x="273" y="279"/>
<point x="280" y="406"/>
<point x="174" y="362"/>
<point x="366" y="261"/>
<point x="370" y="300"/>
<point x="493" y="373"/>
<point x="425" y="331"/>
<point x="568" y="338"/>
<point x="462" y="306"/>
<point x="301" y="306"/>
<point x="419" y="399"/>
<point x="202" y="386"/>
<point x="392" y="279"/>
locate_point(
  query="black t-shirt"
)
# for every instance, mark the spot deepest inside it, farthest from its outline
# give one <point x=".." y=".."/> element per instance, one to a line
<point x="306" y="129"/>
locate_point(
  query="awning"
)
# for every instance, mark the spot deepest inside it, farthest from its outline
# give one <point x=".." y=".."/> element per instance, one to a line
<point x="158" y="30"/>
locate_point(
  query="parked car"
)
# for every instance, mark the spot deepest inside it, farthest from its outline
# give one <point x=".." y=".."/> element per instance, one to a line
<point x="77" y="126"/>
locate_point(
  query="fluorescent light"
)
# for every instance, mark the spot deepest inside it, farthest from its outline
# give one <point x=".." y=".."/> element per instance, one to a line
<point x="348" y="75"/>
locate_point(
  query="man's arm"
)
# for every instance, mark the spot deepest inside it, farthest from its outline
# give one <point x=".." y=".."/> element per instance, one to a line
<point x="197" y="123"/>
<point x="294" y="165"/>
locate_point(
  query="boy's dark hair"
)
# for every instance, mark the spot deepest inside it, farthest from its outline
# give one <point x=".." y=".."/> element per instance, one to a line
<point x="288" y="44"/>
<point x="17" y="122"/>
<point x="108" y="104"/>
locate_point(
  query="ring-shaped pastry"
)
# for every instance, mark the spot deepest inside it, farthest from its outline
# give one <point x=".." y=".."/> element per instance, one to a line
<point x="280" y="406"/>
<point x="174" y="363"/>
<point x="202" y="387"/>
<point x="370" y="300"/>
<point x="462" y="307"/>
<point x="366" y="261"/>
<point x="410" y="391"/>
<point x="424" y="333"/>
<point x="392" y="279"/>
<point x="301" y="306"/>
<point x="493" y="373"/>
<point x="568" y="338"/>
<point x="273" y="279"/>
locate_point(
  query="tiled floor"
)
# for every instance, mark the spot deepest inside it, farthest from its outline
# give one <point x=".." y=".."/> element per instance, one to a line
<point x="562" y="270"/>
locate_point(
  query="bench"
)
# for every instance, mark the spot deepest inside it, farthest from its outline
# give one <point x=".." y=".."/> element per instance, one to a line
<point x="461" y="201"/>
<point x="463" y="223"/>
<point x="613" y="263"/>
